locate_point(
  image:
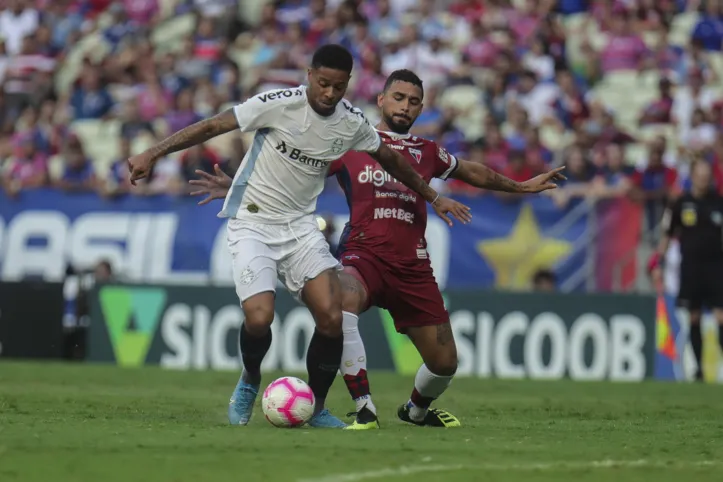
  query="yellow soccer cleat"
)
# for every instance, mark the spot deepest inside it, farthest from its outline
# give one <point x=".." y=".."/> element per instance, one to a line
<point x="365" y="420"/>
<point x="435" y="417"/>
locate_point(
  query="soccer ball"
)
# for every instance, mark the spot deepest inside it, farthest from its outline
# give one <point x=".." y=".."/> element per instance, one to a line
<point x="288" y="402"/>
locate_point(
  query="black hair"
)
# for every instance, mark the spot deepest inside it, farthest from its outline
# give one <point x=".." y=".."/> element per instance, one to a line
<point x="333" y="56"/>
<point x="404" y="75"/>
<point x="544" y="275"/>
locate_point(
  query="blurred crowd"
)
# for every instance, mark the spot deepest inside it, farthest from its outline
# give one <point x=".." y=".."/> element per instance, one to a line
<point x="624" y="92"/>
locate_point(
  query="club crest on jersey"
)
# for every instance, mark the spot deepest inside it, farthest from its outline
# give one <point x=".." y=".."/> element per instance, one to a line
<point x="443" y="155"/>
<point x="337" y="146"/>
<point x="416" y="154"/>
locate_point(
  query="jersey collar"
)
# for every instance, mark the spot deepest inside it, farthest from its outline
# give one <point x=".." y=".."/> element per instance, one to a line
<point x="394" y="135"/>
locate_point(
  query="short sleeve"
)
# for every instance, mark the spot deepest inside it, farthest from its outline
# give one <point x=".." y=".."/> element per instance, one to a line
<point x="444" y="163"/>
<point x="366" y="139"/>
<point x="671" y="219"/>
<point x="258" y="112"/>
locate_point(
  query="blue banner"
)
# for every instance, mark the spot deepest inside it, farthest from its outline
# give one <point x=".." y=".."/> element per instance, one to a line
<point x="167" y="239"/>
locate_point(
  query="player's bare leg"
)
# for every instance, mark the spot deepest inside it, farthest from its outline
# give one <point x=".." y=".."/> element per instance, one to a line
<point x="254" y="341"/>
<point x="322" y="295"/>
<point x="439" y="353"/>
<point x="354" y="357"/>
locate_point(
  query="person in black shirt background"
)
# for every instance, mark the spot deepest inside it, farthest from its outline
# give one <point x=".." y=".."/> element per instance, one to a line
<point x="696" y="219"/>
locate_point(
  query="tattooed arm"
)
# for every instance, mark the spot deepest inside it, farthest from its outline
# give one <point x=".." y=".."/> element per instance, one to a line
<point x="395" y="164"/>
<point x="481" y="176"/>
<point x="141" y="165"/>
<point x="196" y="134"/>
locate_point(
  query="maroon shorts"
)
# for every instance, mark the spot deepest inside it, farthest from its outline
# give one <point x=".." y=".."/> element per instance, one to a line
<point x="411" y="297"/>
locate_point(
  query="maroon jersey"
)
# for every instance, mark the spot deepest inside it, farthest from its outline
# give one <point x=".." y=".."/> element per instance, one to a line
<point x="385" y="217"/>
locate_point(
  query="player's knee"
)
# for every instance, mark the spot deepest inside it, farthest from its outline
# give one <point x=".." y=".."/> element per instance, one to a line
<point x="350" y="303"/>
<point x="258" y="317"/>
<point x="328" y="322"/>
<point x="444" y="362"/>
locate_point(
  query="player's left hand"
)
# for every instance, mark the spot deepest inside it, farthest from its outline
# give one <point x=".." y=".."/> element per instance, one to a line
<point x="544" y="181"/>
<point x="213" y="186"/>
<point x="445" y="205"/>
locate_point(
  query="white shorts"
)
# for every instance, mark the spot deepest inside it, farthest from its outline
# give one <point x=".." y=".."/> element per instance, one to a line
<point x="297" y="252"/>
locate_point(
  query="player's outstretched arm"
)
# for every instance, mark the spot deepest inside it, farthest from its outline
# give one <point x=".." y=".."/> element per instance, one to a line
<point x="140" y="165"/>
<point x="481" y="176"/>
<point x="395" y="164"/>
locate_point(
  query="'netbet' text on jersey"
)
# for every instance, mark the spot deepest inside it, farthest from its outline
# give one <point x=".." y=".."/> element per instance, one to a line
<point x="384" y="215"/>
<point x="283" y="171"/>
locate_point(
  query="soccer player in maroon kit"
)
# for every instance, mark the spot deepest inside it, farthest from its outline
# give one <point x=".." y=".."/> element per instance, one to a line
<point x="384" y="252"/>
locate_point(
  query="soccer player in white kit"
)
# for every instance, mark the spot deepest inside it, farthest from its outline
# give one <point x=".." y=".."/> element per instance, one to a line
<point x="272" y="230"/>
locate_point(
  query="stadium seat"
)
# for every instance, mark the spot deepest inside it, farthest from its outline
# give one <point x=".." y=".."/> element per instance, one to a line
<point x="681" y="28"/>
<point x="100" y="140"/>
<point x="168" y="35"/>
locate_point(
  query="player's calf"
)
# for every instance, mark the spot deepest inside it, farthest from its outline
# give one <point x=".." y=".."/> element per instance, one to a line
<point x="322" y="295"/>
<point x="254" y="342"/>
<point x="439" y="353"/>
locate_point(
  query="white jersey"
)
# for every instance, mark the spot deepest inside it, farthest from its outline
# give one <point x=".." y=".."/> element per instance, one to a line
<point x="285" y="169"/>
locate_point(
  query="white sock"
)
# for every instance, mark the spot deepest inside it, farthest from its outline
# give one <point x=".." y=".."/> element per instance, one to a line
<point x="427" y="387"/>
<point x="354" y="363"/>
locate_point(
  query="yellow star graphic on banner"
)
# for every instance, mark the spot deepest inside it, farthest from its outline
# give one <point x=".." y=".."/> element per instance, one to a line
<point x="516" y="257"/>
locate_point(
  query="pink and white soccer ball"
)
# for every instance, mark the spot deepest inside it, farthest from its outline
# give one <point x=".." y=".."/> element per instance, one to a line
<point x="288" y="402"/>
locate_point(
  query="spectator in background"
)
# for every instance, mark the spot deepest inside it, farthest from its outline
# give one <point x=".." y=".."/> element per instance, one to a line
<point x="695" y="60"/>
<point x="495" y="97"/>
<point x="91" y="100"/>
<point x="208" y="45"/>
<point x="27" y="168"/>
<point x="624" y="50"/>
<point x="143" y="12"/>
<point x="569" y="107"/>
<point x="614" y="180"/>
<point x="182" y="114"/>
<point x="701" y="135"/>
<point x="580" y="173"/>
<point x="132" y="125"/>
<point x="544" y="281"/>
<point x="655" y="185"/>
<point x="17" y="21"/>
<point x="371" y="79"/>
<point x="117" y="180"/>
<point x="709" y="30"/>
<point x="120" y="28"/>
<point x="687" y="99"/>
<point x="496" y="150"/>
<point x="153" y="101"/>
<point x="28" y="76"/>
<point x="533" y="97"/>
<point x="659" y="111"/>
<point x="199" y="157"/>
<point x="78" y="172"/>
<point x="538" y="61"/>
<point x="537" y="156"/>
<point x="518" y="170"/>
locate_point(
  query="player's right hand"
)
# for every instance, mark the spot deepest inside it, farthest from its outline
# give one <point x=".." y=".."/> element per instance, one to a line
<point x="140" y="166"/>
<point x="445" y="205"/>
<point x="212" y="186"/>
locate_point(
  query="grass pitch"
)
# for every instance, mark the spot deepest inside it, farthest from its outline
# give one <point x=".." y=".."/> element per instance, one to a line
<point x="97" y="423"/>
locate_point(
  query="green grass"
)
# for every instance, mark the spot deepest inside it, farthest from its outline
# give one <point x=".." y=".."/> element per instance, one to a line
<point x="96" y="423"/>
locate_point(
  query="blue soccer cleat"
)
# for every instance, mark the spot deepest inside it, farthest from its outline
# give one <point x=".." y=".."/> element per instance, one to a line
<point x="325" y="419"/>
<point x="242" y="403"/>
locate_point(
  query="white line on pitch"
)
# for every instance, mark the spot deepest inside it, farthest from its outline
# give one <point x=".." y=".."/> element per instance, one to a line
<point x="560" y="465"/>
